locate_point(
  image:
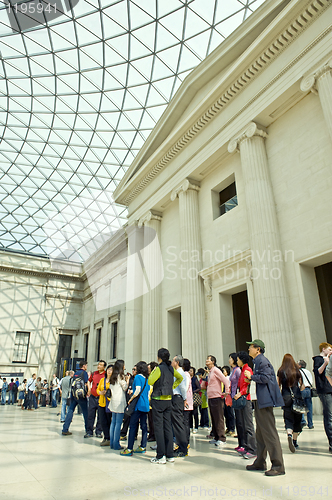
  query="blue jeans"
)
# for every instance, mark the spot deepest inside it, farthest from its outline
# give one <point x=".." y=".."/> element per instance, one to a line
<point x="84" y="405"/>
<point x="306" y="394"/>
<point x="115" y="430"/>
<point x="326" y="400"/>
<point x="10" y="398"/>
<point x="3" y="397"/>
<point x="64" y="408"/>
<point x="54" y="396"/>
<point x="136" y="418"/>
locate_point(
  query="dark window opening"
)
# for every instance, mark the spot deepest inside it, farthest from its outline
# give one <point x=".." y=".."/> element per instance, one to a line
<point x="114" y="339"/>
<point x="98" y="339"/>
<point x="227" y="199"/>
<point x="86" y="346"/>
<point x="21" y="347"/>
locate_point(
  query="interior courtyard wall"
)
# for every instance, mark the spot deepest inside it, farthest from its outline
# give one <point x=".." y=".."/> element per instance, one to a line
<point x="36" y="300"/>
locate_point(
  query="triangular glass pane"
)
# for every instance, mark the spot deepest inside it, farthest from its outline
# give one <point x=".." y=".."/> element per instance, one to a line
<point x="174" y="23"/>
<point x="138" y="17"/>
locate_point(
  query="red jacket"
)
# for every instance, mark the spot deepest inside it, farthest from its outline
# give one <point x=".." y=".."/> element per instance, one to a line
<point x="95" y="379"/>
<point x="242" y="384"/>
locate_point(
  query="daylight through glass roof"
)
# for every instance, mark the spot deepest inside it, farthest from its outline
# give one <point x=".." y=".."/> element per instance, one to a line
<point x="82" y="84"/>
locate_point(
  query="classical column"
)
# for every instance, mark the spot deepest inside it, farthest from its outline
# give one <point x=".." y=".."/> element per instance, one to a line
<point x="267" y="272"/>
<point x="153" y="274"/>
<point x="321" y="83"/>
<point x="192" y="288"/>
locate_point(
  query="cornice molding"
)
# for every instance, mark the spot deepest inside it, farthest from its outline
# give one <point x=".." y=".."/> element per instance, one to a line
<point x="309" y="83"/>
<point x="186" y="185"/>
<point x="62" y="297"/>
<point x="310" y="12"/>
<point x="40" y="274"/>
<point x="251" y="130"/>
<point x="151" y="215"/>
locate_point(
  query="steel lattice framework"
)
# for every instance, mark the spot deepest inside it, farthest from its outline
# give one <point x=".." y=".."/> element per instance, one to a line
<point x="82" y="84"/>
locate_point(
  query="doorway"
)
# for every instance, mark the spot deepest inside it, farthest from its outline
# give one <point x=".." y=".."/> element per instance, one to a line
<point x="64" y="350"/>
<point x="174" y="331"/>
<point x="241" y="318"/>
<point x="324" y="283"/>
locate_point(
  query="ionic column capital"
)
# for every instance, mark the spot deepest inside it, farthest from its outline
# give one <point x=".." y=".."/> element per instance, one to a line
<point x="150" y="215"/>
<point x="251" y="130"/>
<point x="309" y="83"/>
<point x="186" y="185"/>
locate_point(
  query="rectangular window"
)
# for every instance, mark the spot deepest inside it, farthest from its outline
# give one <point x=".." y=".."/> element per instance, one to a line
<point x="86" y="346"/>
<point x="114" y="332"/>
<point x="21" y="347"/>
<point x="98" y="340"/>
<point x="227" y="199"/>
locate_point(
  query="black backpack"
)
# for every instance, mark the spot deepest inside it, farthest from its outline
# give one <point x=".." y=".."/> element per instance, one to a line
<point x="78" y="387"/>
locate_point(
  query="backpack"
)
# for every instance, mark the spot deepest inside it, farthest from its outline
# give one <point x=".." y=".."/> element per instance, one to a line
<point x="78" y="387"/>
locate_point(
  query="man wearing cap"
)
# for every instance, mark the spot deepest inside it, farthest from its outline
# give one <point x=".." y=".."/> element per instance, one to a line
<point x="268" y="396"/>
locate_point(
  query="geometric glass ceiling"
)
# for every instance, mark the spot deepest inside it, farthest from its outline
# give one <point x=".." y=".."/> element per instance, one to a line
<point x="82" y="84"/>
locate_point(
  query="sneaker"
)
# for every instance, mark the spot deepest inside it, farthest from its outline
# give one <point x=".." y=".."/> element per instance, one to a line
<point x="126" y="453"/>
<point x="66" y="433"/>
<point x="241" y="450"/>
<point x="213" y="441"/>
<point x="232" y="434"/>
<point x="119" y="448"/>
<point x="249" y="456"/>
<point x="312" y="427"/>
<point x="290" y="443"/>
<point x="105" y="442"/>
<point x="123" y="438"/>
<point x="209" y="436"/>
<point x="156" y="460"/>
<point x="295" y="444"/>
<point x="176" y="447"/>
<point x="87" y="435"/>
<point x="151" y="439"/>
<point x="195" y="431"/>
<point x="237" y="448"/>
<point x="140" y="450"/>
<point x="154" y="447"/>
<point x="170" y="459"/>
<point x="99" y="436"/>
<point x="180" y="454"/>
<point x="188" y="446"/>
<point x="219" y="444"/>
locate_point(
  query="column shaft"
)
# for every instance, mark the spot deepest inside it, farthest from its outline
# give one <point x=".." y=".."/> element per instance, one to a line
<point x="192" y="291"/>
<point x="151" y="319"/>
<point x="271" y="302"/>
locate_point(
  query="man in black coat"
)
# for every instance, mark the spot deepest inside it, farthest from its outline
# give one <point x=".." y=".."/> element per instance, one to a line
<point x="268" y="396"/>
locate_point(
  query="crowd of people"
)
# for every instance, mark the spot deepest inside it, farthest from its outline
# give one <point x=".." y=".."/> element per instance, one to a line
<point x="168" y="399"/>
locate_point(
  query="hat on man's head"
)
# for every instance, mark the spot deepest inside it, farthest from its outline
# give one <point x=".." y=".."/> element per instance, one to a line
<point x="257" y="342"/>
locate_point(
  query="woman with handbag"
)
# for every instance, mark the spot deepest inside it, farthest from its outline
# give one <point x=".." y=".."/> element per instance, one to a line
<point x="138" y="409"/>
<point x="290" y="381"/>
<point x="21" y="392"/>
<point x="234" y="380"/>
<point x="118" y="386"/>
<point x="197" y="400"/>
<point x="243" y="411"/>
<point x="105" y="415"/>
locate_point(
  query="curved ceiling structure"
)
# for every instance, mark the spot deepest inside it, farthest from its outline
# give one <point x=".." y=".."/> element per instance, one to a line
<point x="82" y="84"/>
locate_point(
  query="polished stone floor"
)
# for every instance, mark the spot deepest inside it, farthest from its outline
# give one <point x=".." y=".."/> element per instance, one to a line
<point x="37" y="462"/>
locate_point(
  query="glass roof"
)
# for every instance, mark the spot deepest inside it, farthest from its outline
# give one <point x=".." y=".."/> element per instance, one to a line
<point x="82" y="84"/>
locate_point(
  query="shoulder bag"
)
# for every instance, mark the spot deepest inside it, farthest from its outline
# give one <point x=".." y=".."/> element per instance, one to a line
<point x="298" y="405"/>
<point x="131" y="407"/>
<point x="313" y="390"/>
